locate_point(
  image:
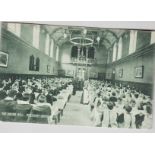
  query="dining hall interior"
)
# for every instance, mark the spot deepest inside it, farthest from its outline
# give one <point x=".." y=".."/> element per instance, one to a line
<point x="76" y="75"/>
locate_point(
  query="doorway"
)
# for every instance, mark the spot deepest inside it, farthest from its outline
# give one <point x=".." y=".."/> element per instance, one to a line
<point x="82" y="73"/>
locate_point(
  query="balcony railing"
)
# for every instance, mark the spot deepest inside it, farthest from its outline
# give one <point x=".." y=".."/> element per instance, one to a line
<point x="83" y="61"/>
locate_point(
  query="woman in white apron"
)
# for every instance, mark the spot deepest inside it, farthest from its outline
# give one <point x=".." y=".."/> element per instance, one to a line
<point x="98" y="111"/>
<point x="85" y="96"/>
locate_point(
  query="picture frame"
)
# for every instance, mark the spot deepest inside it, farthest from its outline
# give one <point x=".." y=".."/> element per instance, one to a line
<point x="3" y="59"/>
<point x="61" y="72"/>
<point x="45" y="85"/>
<point x="48" y="68"/>
<point x="139" y="72"/>
<point x="120" y="73"/>
<point x="69" y="73"/>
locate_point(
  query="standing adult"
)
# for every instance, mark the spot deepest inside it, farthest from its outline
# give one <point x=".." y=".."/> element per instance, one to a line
<point x="85" y="96"/>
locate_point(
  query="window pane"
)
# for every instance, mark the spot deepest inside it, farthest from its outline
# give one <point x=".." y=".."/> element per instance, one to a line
<point x="114" y="52"/>
<point x="133" y="40"/>
<point x="119" y="49"/>
<point x="57" y="53"/>
<point x="51" y="49"/>
<point x="11" y="27"/>
<point x="47" y="44"/>
<point x="14" y="28"/>
<point x="18" y="29"/>
<point x="36" y="35"/>
<point x="153" y="37"/>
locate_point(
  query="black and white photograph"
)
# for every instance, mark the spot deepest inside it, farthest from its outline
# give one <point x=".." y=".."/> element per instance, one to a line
<point x="121" y="73"/>
<point x="76" y="75"/>
<point x="139" y="72"/>
<point x="3" y="59"/>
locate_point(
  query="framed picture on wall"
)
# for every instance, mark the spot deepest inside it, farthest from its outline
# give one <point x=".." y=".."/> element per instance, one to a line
<point x="139" y="71"/>
<point x="3" y="59"/>
<point x="120" y="73"/>
<point x="48" y="68"/>
<point x="69" y="73"/>
<point x="61" y="72"/>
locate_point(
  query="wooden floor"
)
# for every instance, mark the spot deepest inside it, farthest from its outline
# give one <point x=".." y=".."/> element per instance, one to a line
<point x="76" y="113"/>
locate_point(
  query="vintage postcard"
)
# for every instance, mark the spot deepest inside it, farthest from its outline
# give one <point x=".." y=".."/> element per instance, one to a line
<point x="72" y="75"/>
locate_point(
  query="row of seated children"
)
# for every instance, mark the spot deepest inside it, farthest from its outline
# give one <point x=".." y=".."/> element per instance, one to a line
<point x="34" y="94"/>
<point x="118" y="106"/>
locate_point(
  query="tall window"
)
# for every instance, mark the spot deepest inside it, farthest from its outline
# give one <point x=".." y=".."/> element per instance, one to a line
<point x="133" y="41"/>
<point x="31" y="63"/>
<point x="37" y="64"/>
<point x="74" y="52"/>
<point x="91" y="52"/>
<point x="51" y="48"/>
<point x="119" y="55"/>
<point x="152" y="37"/>
<point x="0" y="34"/>
<point x="57" y="53"/>
<point x="14" y="28"/>
<point x="47" y="44"/>
<point x="114" y="52"/>
<point x="36" y="35"/>
<point x="108" y="57"/>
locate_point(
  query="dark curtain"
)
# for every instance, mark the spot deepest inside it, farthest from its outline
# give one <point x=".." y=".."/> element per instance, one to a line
<point x="74" y="52"/>
<point x="31" y="63"/>
<point x="37" y="64"/>
<point x="91" y="52"/>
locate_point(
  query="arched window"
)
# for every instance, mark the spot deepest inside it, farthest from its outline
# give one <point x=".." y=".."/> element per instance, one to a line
<point x="36" y="36"/>
<point x="37" y="64"/>
<point x="152" y="37"/>
<point x="31" y="63"/>
<point x="51" y="48"/>
<point x="119" y="49"/>
<point x="74" y="52"/>
<point x="91" y="52"/>
<point x="47" y="44"/>
<point x="114" y="52"/>
<point x="133" y="41"/>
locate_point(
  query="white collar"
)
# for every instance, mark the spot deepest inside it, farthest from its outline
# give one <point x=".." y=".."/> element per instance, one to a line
<point x="9" y="98"/>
